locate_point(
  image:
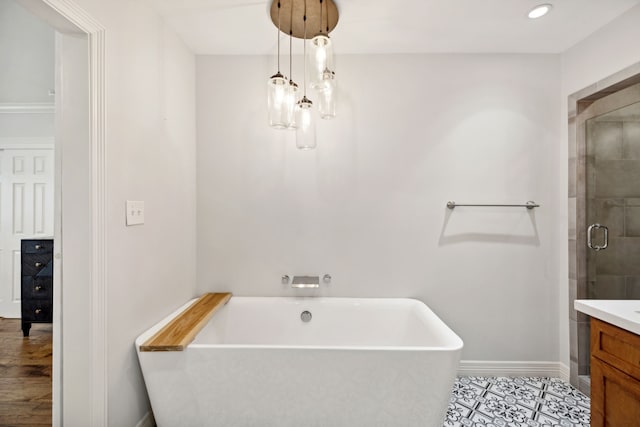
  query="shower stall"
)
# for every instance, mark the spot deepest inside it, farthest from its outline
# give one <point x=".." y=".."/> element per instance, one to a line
<point x="604" y="208"/>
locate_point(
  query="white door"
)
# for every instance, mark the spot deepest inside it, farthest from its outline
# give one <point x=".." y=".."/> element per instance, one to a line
<point x="26" y="211"/>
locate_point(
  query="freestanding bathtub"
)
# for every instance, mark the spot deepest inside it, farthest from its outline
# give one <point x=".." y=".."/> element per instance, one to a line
<point x="356" y="362"/>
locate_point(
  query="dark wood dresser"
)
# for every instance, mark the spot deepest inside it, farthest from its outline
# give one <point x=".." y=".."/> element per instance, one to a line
<point x="37" y="282"/>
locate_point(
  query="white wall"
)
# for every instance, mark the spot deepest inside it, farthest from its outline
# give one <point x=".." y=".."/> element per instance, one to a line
<point x="368" y="206"/>
<point x="151" y="149"/>
<point x="604" y="53"/>
<point x="27" y="56"/>
<point x="150" y="84"/>
<point x="26" y="73"/>
<point x="72" y="231"/>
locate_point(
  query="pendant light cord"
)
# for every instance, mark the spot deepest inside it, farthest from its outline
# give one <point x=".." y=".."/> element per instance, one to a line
<point x="291" y="44"/>
<point x="305" y="48"/>
<point x="278" y="37"/>
<point x="321" y="17"/>
<point x="327" y="13"/>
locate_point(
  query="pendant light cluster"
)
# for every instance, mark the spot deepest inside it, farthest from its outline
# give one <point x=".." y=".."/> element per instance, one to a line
<point x="286" y="108"/>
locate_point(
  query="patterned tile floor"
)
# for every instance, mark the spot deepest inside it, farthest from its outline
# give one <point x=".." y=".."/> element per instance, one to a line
<point x="520" y="402"/>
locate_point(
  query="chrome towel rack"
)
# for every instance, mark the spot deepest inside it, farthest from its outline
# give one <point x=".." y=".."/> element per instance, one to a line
<point x="529" y="205"/>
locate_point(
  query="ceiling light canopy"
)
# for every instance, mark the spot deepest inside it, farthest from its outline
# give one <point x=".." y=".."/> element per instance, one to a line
<point x="318" y="11"/>
<point x="540" y="10"/>
<point x="307" y="20"/>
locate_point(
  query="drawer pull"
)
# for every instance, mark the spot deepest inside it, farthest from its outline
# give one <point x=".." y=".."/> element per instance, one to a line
<point x="38" y="310"/>
<point x="38" y="264"/>
<point x="38" y="246"/>
<point x="38" y="288"/>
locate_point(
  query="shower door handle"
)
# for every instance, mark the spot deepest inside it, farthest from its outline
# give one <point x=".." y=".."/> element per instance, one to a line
<point x="590" y="237"/>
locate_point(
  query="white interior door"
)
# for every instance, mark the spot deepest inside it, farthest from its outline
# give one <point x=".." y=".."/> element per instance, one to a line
<point x="26" y="211"/>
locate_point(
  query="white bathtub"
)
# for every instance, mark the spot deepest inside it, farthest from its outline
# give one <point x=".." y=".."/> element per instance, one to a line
<point x="358" y="362"/>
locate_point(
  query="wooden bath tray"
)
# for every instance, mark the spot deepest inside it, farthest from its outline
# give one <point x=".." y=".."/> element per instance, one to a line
<point x="179" y="332"/>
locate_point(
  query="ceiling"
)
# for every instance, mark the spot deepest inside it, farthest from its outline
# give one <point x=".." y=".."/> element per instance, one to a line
<point x="398" y="26"/>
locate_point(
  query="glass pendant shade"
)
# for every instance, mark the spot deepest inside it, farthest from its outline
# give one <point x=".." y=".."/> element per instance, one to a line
<point x="327" y="95"/>
<point x="292" y="95"/>
<point x="305" y="125"/>
<point x="277" y="97"/>
<point x="320" y="58"/>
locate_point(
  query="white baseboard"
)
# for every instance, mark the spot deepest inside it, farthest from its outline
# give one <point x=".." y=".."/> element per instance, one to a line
<point x="147" y="420"/>
<point x="564" y="372"/>
<point x="481" y="368"/>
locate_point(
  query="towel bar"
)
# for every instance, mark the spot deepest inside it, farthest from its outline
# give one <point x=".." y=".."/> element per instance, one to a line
<point x="529" y="205"/>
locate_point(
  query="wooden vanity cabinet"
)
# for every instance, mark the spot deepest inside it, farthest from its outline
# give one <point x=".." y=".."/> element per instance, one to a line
<point x="615" y="376"/>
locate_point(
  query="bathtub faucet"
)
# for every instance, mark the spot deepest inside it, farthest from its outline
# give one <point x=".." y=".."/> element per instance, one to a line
<point x="306" y="282"/>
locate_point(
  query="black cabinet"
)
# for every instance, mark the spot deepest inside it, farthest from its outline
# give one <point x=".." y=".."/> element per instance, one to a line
<point x="37" y="282"/>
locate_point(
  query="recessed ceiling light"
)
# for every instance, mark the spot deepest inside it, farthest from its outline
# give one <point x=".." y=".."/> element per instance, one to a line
<point x="540" y="10"/>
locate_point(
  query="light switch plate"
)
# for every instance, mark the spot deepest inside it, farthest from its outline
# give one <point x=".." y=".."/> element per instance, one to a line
<point x="135" y="212"/>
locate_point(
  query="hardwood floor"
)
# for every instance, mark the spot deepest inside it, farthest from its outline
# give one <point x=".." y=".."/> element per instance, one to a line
<point x="25" y="374"/>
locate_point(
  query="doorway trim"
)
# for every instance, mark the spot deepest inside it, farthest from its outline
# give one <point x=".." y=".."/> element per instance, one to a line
<point x="96" y="35"/>
<point x="579" y="103"/>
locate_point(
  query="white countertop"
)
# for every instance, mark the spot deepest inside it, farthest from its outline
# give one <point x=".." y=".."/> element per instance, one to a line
<point x="624" y="314"/>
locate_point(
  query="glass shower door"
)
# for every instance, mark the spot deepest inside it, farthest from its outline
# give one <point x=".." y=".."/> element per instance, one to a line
<point x="613" y="204"/>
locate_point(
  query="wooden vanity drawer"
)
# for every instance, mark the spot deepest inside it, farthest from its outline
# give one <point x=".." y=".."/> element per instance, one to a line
<point x="616" y="346"/>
